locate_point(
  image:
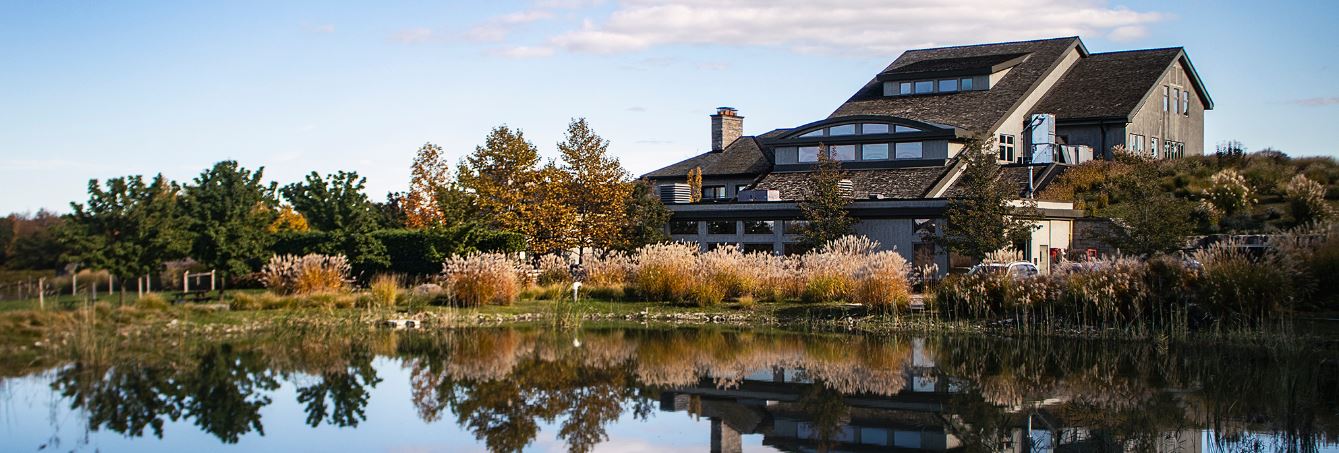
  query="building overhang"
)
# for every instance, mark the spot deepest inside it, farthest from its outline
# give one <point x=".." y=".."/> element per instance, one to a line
<point x="919" y="208"/>
<point x="926" y="131"/>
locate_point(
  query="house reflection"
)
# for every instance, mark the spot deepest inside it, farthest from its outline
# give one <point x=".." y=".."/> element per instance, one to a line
<point x="779" y="404"/>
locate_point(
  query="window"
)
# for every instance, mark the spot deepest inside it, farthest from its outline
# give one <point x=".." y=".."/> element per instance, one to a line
<point x="1153" y="146"/>
<point x="842" y="152"/>
<point x="948" y="86"/>
<point x="1176" y="99"/>
<point x="793" y="249"/>
<point x="794" y="226"/>
<point x="873" y="128"/>
<point x="1006" y="147"/>
<point x="845" y="129"/>
<point x="1166" y="98"/>
<point x="966" y="84"/>
<point x="1180" y="150"/>
<point x="908" y="150"/>
<point x="904" y="129"/>
<point x="889" y="88"/>
<point x="758" y="226"/>
<point x="1185" y="102"/>
<point x="721" y="227"/>
<point x="740" y="188"/>
<point x="925" y="86"/>
<point x="713" y="192"/>
<point x="683" y="227"/>
<point x="758" y="248"/>
<point x="808" y="154"/>
<point x="1136" y="143"/>
<point x="904" y="88"/>
<point x="786" y="155"/>
<point x="874" y="151"/>
<point x="813" y="133"/>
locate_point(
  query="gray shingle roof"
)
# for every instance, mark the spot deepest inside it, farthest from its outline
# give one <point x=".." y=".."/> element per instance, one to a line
<point x="976" y="111"/>
<point x="1107" y="85"/>
<point x="742" y="157"/>
<point x="892" y="183"/>
<point x="980" y="64"/>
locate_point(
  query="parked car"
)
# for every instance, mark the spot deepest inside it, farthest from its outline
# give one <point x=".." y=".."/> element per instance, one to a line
<point x="1018" y="269"/>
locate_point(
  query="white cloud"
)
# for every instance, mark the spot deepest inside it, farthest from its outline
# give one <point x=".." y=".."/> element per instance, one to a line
<point x="497" y="28"/>
<point x="522" y="52"/>
<point x="1317" y="102"/>
<point x="861" y="27"/>
<point x="568" y="4"/>
<point x="412" y="35"/>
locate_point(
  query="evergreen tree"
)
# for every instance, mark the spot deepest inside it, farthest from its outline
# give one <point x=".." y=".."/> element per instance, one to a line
<point x="825" y="203"/>
<point x="337" y="205"/>
<point x="128" y="228"/>
<point x="982" y="214"/>
<point x="597" y="192"/>
<point x="228" y="211"/>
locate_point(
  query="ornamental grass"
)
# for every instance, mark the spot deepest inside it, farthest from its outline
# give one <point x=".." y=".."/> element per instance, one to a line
<point x="307" y="274"/>
<point x="482" y="279"/>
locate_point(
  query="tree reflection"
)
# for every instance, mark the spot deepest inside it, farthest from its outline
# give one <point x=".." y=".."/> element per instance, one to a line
<point x="346" y="390"/>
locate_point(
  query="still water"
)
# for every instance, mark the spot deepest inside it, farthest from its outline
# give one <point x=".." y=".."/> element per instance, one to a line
<point x="644" y="389"/>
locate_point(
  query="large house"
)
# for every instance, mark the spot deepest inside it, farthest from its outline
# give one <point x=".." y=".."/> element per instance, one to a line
<point x="1045" y="105"/>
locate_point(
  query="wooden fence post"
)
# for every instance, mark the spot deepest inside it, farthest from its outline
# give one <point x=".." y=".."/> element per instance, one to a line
<point x="74" y="283"/>
<point x="139" y="287"/>
<point x="41" y="295"/>
<point x="211" y="280"/>
<point x="186" y="282"/>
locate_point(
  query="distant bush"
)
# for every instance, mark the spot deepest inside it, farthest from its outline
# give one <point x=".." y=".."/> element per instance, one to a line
<point x="407" y="252"/>
<point x="308" y="274"/>
<point x="482" y="279"/>
<point x="666" y="271"/>
<point x="152" y="301"/>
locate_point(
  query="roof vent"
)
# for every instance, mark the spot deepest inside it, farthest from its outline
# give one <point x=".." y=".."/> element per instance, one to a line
<point x="846" y="187"/>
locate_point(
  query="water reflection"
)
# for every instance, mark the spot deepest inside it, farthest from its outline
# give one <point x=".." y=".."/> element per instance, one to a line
<point x="504" y="387"/>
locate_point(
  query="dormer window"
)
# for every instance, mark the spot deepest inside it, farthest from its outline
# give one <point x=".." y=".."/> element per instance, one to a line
<point x="858" y="129"/>
<point x="949" y="85"/>
<point x="874" y="128"/>
<point x="845" y="129"/>
<point x="925" y="86"/>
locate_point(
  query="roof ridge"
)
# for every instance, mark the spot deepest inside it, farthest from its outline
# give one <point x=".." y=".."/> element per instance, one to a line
<point x="1180" y="48"/>
<point x="962" y="46"/>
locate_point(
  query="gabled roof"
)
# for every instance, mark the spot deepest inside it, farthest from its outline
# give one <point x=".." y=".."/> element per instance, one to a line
<point x="974" y="111"/>
<point x="1112" y="85"/>
<point x="742" y="157"/>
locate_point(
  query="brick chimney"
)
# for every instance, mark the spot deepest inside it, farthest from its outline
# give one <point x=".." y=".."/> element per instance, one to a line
<point x="726" y="126"/>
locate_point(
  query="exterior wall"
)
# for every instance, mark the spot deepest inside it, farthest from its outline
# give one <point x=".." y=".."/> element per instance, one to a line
<point x="1052" y="234"/>
<point x="1150" y="121"/>
<point x="1091" y="135"/>
<point x="1013" y="124"/>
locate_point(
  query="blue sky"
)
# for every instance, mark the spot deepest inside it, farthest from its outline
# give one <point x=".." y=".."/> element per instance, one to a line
<point x="102" y="89"/>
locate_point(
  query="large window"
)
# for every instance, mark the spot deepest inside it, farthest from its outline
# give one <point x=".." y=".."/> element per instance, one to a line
<point x="904" y="88"/>
<point x="1153" y="146"/>
<point x="721" y="227"/>
<point x="1136" y="144"/>
<point x="1185" y="102"/>
<point x="909" y="150"/>
<point x="683" y="227"/>
<point x="713" y="192"/>
<point x="842" y="152"/>
<point x="949" y="85"/>
<point x="925" y="86"/>
<point x="758" y="226"/>
<point x="1166" y="98"/>
<point x="873" y="128"/>
<point x="808" y="154"/>
<point x="1176" y="99"/>
<point x="874" y="151"/>
<point x="1006" y="147"/>
<point x="845" y="129"/>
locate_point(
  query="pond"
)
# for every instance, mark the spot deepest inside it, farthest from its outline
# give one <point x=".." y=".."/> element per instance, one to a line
<point x="633" y="388"/>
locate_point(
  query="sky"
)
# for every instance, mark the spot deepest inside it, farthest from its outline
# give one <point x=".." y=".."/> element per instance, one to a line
<point x="95" y="89"/>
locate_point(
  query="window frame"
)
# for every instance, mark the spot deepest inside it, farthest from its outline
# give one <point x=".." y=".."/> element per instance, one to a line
<point x="1007" y="147"/>
<point x="734" y="227"/>
<point x="832" y="152"/>
<point x="939" y="86"/>
<point x="800" y="154"/>
<point x="920" y="150"/>
<point x="724" y="192"/>
<point x="887" y="149"/>
<point x="927" y="83"/>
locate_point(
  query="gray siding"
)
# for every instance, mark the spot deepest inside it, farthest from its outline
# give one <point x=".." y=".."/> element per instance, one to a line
<point x="1150" y="121"/>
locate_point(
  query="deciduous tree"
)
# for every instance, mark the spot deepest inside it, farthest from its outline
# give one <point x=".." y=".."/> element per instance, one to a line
<point x="429" y="176"/>
<point x="597" y="191"/>
<point x="128" y="227"/>
<point x="502" y="173"/>
<point x="644" y="218"/>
